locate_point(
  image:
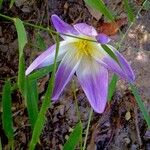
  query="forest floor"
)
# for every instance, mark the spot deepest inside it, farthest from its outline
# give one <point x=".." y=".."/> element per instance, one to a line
<point x="121" y="126"/>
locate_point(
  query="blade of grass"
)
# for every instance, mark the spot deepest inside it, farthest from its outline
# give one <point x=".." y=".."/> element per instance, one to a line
<point x="1" y="2"/>
<point x="110" y="53"/>
<point x="74" y="137"/>
<point x="11" y="3"/>
<point x="100" y="6"/>
<point x="112" y="86"/>
<point x="40" y="73"/>
<point x="45" y="105"/>
<point x="7" y="119"/>
<point x="22" y="40"/>
<point x="129" y="11"/>
<point x="140" y="104"/>
<point x="32" y="100"/>
<point x="0" y="144"/>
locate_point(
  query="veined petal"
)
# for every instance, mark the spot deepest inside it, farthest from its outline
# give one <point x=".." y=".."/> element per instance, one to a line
<point x="123" y="69"/>
<point x="47" y="57"/>
<point x="65" y="72"/>
<point x="85" y="29"/>
<point x="63" y="27"/>
<point x="93" y="78"/>
<point x="102" y="38"/>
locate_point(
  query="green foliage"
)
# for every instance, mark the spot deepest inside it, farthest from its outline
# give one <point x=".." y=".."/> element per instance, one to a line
<point x="112" y="86"/>
<point x="45" y="105"/>
<point x="74" y="137"/>
<point x="41" y="72"/>
<point x="32" y="100"/>
<point x="140" y="104"/>
<point x="100" y="6"/>
<point x="7" y="119"/>
<point x="110" y="53"/>
<point x="146" y="5"/>
<point x="129" y="11"/>
<point x="11" y="3"/>
<point x="22" y="40"/>
<point x="0" y="144"/>
<point x="1" y="2"/>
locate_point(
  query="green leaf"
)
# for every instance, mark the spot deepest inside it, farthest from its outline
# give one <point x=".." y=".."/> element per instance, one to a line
<point x="0" y="144"/>
<point x="21" y="74"/>
<point x="7" y="119"/>
<point x="11" y="3"/>
<point x="110" y="53"/>
<point x="32" y="100"/>
<point x="22" y="40"/>
<point x="22" y="37"/>
<point x="74" y="138"/>
<point x="40" y="42"/>
<point x="129" y="11"/>
<point x="45" y="105"/>
<point x="40" y="73"/>
<point x="1" y="2"/>
<point x="100" y="6"/>
<point x="140" y="104"/>
<point x="112" y="86"/>
<point x="146" y="5"/>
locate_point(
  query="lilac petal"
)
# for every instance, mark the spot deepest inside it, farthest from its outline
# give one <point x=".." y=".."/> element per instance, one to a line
<point x="93" y="78"/>
<point x="125" y="70"/>
<point x="64" y="73"/>
<point x="63" y="27"/>
<point x="125" y="65"/>
<point x="85" y="29"/>
<point x="102" y="38"/>
<point x="47" y="57"/>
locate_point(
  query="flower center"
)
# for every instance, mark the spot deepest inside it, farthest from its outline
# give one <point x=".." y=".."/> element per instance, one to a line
<point x="83" y="48"/>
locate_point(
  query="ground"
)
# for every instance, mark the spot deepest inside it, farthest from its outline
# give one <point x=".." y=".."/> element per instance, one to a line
<point x="121" y="126"/>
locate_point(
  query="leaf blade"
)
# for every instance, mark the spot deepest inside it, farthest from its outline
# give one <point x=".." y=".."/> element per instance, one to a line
<point x="100" y="6"/>
<point x="74" y="137"/>
<point x="140" y="104"/>
<point x="7" y="119"/>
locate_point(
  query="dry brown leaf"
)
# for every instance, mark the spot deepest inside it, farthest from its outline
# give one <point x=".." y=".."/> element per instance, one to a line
<point x="111" y="28"/>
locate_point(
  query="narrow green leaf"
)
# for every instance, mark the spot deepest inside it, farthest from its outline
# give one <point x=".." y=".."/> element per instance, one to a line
<point x="1" y="2"/>
<point x="100" y="6"/>
<point x="140" y="104"/>
<point x="11" y="3"/>
<point x="110" y="53"/>
<point x="0" y="144"/>
<point x="32" y="100"/>
<point x="22" y="40"/>
<point x="129" y="11"/>
<point x="7" y="119"/>
<point x="146" y="5"/>
<point x="40" y="42"/>
<point x="39" y="124"/>
<point x="74" y="138"/>
<point x="21" y="74"/>
<point x="112" y="86"/>
<point x="40" y="73"/>
<point x="22" y="37"/>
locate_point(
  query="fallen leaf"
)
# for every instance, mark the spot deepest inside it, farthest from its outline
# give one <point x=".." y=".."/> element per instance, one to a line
<point x="111" y="28"/>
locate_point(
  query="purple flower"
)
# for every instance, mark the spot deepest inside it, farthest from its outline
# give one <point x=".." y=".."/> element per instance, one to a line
<point x="88" y="59"/>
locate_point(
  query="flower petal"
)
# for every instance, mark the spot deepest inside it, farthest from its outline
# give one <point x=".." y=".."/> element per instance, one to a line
<point x="47" y="57"/>
<point x="63" y="27"/>
<point x="85" y="29"/>
<point x="64" y="73"/>
<point x="93" y="78"/>
<point x="123" y="69"/>
<point x="102" y="38"/>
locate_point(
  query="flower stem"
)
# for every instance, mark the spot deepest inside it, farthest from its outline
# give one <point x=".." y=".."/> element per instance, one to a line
<point x="87" y="129"/>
